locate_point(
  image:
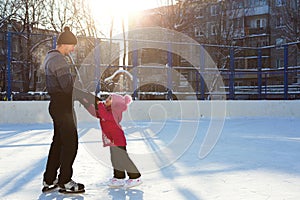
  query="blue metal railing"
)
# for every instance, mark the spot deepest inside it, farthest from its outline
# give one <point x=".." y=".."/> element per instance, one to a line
<point x="231" y="75"/>
<point x="8" y="66"/>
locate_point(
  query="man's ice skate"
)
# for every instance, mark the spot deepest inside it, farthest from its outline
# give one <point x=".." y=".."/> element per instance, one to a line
<point x="49" y="187"/>
<point x="71" y="187"/>
<point x="133" y="182"/>
<point x="116" y="183"/>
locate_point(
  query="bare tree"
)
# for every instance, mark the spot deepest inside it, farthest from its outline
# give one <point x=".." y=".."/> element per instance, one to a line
<point x="26" y="17"/>
<point x="59" y="14"/>
<point x="285" y="24"/>
<point x="8" y="9"/>
<point x="23" y="20"/>
<point x="175" y="14"/>
<point x="218" y="24"/>
<point x="285" y="18"/>
<point x="124" y="42"/>
<point x="73" y="13"/>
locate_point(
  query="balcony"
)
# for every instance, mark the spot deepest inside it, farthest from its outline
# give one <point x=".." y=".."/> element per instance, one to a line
<point x="259" y="10"/>
<point x="255" y="31"/>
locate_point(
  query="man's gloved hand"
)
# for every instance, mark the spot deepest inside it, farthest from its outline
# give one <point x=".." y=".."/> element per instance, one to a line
<point x="85" y="97"/>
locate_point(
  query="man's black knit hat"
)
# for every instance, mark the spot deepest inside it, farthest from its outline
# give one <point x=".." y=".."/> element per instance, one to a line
<point x="66" y="37"/>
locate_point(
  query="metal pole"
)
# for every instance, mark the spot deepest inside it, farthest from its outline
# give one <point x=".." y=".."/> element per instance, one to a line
<point x="8" y="66"/>
<point x="259" y="75"/>
<point x="232" y="75"/>
<point x="97" y="67"/>
<point x="170" y="63"/>
<point x="135" y="64"/>
<point x="285" y="62"/>
<point x="202" y="66"/>
<point x="197" y="84"/>
<point x="266" y="84"/>
<point x="54" y="38"/>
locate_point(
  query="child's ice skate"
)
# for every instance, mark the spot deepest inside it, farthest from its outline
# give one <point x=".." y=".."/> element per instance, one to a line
<point x="71" y="187"/>
<point x="133" y="182"/>
<point x="116" y="183"/>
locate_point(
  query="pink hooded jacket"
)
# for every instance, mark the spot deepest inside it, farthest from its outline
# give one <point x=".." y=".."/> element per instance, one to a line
<point x="110" y="118"/>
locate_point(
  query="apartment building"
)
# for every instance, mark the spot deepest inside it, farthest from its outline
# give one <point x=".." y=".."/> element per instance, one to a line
<point x="256" y="31"/>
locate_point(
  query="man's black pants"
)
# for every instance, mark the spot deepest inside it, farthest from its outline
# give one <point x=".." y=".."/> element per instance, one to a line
<point x="64" y="144"/>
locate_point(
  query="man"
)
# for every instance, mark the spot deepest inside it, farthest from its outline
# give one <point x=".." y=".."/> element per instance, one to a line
<point x="63" y="149"/>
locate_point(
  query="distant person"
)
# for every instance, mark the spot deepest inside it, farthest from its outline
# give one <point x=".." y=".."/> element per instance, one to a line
<point x="110" y="115"/>
<point x="63" y="149"/>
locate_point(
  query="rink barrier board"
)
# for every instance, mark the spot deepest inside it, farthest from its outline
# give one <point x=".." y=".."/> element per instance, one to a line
<point x="26" y="112"/>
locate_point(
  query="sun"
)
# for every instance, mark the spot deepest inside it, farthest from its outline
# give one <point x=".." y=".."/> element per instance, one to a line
<point x="116" y="12"/>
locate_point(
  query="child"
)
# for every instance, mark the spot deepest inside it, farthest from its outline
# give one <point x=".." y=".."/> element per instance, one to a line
<point x="110" y="115"/>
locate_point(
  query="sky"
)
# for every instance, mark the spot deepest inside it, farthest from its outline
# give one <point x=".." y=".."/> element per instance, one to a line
<point x="104" y="10"/>
<point x="120" y="8"/>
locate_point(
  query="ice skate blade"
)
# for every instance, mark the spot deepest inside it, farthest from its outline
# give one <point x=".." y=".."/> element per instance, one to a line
<point x="63" y="191"/>
<point x="49" y="189"/>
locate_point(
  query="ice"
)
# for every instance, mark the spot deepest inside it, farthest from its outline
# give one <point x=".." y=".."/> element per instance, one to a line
<point x="254" y="158"/>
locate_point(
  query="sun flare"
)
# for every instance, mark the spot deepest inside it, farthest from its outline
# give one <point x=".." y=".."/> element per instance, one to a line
<point x="119" y="8"/>
<point x="105" y="12"/>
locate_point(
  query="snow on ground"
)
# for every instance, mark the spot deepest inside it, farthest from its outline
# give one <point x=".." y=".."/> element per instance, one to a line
<point x="255" y="158"/>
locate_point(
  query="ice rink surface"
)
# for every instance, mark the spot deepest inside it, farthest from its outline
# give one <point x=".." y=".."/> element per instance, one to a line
<point x="254" y="159"/>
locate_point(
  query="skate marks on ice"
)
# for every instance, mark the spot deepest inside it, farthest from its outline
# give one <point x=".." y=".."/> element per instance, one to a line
<point x="122" y="194"/>
<point x="97" y="191"/>
<point x="60" y="196"/>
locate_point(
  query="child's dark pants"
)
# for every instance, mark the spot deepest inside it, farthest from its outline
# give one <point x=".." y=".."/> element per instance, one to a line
<point x="121" y="162"/>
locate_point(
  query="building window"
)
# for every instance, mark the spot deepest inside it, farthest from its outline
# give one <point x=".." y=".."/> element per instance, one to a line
<point x="81" y="54"/>
<point x="184" y="79"/>
<point x="237" y="5"/>
<point x="213" y="29"/>
<point x="279" y="63"/>
<point x="279" y="21"/>
<point x="200" y="13"/>
<point x="213" y="10"/>
<point x="82" y="43"/>
<point x="237" y="23"/>
<point x="262" y="2"/>
<point x="198" y="32"/>
<point x="15" y="47"/>
<point x="280" y="2"/>
<point x="279" y="42"/>
<point x="254" y="3"/>
<point x="260" y="23"/>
